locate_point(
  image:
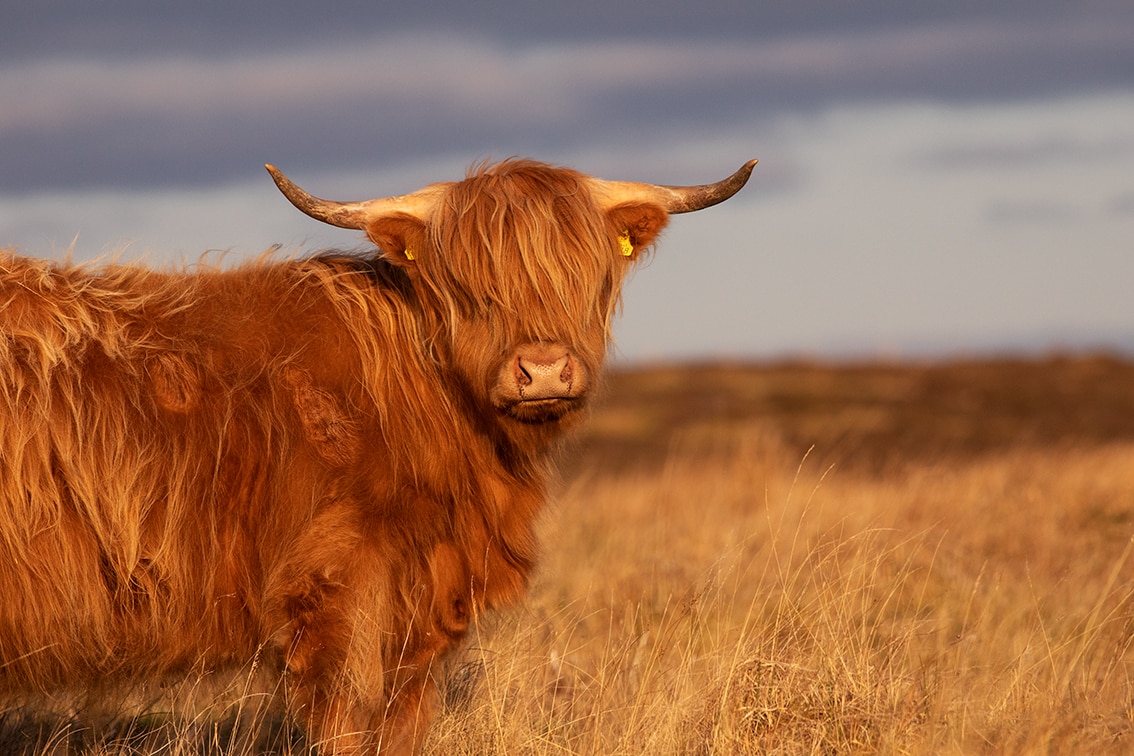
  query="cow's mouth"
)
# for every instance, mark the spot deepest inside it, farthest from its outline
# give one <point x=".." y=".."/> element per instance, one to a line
<point x="545" y="410"/>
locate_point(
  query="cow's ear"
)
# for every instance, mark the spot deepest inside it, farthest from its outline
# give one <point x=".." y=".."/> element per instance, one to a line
<point x="399" y="237"/>
<point x="638" y="226"/>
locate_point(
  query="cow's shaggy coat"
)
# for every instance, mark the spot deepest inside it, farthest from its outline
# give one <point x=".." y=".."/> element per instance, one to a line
<point x="328" y="461"/>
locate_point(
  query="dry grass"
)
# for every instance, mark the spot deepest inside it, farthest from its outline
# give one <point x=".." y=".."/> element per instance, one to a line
<point x="806" y="559"/>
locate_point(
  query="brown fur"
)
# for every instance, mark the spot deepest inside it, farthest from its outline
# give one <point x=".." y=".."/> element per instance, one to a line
<point x="303" y="456"/>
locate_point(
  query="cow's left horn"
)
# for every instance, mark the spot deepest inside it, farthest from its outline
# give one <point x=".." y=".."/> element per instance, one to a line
<point x="350" y="214"/>
<point x="678" y="199"/>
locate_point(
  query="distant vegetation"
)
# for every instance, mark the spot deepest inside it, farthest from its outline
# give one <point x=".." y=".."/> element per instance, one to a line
<point x="796" y="558"/>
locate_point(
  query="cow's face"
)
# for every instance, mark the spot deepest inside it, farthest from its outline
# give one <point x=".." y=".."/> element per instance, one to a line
<point x="522" y="269"/>
<point x="519" y="270"/>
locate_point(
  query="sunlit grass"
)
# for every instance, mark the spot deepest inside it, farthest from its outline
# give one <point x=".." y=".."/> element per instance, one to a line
<point x="734" y="603"/>
<point x="720" y="587"/>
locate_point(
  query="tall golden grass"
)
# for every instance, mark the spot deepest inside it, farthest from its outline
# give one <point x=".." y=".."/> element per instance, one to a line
<point x="809" y="559"/>
<point x="946" y="570"/>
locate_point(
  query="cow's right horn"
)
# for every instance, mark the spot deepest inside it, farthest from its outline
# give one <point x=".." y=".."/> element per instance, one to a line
<point x="352" y="214"/>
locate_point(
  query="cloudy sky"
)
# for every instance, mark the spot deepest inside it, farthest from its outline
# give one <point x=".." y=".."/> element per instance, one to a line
<point x="934" y="178"/>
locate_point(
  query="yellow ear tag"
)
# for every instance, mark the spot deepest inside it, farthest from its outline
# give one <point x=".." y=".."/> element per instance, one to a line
<point x="625" y="245"/>
<point x="409" y="254"/>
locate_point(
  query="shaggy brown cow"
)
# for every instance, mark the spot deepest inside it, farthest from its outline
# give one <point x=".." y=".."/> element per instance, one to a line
<point x="333" y="462"/>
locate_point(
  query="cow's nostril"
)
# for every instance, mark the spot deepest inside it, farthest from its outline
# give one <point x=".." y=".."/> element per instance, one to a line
<point x="523" y="377"/>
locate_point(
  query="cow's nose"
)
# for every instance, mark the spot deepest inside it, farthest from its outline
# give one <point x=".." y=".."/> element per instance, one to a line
<point x="544" y="377"/>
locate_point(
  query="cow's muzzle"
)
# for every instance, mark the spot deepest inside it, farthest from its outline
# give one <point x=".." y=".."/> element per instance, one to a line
<point x="540" y="382"/>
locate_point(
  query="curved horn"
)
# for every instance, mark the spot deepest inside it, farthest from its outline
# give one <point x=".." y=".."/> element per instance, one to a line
<point x="678" y="199"/>
<point x="351" y="214"/>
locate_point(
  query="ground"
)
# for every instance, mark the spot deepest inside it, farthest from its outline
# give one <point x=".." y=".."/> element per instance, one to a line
<point x="801" y="558"/>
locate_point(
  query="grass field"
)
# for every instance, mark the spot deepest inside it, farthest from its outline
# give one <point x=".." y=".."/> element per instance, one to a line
<point x="805" y="558"/>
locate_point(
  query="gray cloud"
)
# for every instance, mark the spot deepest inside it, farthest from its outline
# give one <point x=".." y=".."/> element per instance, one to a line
<point x="1121" y="206"/>
<point x="1032" y="212"/>
<point x="130" y="28"/>
<point x="191" y="114"/>
<point x="1027" y="151"/>
<point x="912" y="155"/>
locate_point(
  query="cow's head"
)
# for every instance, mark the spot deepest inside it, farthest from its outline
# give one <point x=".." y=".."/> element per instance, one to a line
<point x="519" y="269"/>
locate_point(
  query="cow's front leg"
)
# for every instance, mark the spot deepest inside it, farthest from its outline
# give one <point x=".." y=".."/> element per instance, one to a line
<point x="363" y="649"/>
<point x="340" y="724"/>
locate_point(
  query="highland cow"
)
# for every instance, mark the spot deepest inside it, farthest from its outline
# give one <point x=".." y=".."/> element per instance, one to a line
<point x="333" y="462"/>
